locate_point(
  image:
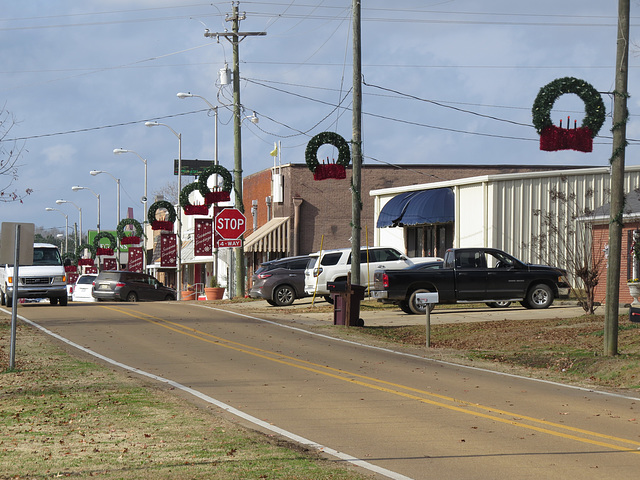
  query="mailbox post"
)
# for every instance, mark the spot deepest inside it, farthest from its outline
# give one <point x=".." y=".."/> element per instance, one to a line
<point x="427" y="299"/>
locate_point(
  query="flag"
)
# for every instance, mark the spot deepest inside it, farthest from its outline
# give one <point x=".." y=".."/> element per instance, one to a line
<point x="274" y="152"/>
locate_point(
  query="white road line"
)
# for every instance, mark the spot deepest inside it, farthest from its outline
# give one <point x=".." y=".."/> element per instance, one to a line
<point x="228" y="408"/>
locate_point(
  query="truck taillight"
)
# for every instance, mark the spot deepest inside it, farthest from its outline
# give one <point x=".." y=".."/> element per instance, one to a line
<point x="120" y="284"/>
<point x="385" y="280"/>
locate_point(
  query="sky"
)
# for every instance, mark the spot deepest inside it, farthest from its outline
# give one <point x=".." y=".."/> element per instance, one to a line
<point x="444" y="82"/>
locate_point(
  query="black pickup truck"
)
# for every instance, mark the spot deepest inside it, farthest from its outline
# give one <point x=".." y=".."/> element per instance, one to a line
<point x="485" y="275"/>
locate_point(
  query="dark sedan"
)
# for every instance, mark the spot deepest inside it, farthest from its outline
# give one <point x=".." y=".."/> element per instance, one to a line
<point x="130" y="287"/>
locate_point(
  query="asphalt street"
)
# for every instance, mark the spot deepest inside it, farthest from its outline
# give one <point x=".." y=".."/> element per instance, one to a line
<point x="408" y="415"/>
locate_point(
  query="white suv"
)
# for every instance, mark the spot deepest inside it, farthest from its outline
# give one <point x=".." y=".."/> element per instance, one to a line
<point x="333" y="266"/>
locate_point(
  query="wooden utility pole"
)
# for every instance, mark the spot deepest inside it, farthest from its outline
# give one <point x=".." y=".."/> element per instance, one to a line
<point x="235" y="37"/>
<point x="356" y="148"/>
<point x="620" y="115"/>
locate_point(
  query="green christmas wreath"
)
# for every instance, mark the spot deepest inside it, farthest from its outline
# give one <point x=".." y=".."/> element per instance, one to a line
<point x="311" y="153"/>
<point x="162" y="204"/>
<point x="129" y="221"/>
<point x="204" y="177"/>
<point x="80" y="250"/>
<point x="109" y="236"/>
<point x="594" y="106"/>
<point x="186" y="191"/>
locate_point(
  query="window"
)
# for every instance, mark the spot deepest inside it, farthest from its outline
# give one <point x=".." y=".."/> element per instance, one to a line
<point x="331" y="259"/>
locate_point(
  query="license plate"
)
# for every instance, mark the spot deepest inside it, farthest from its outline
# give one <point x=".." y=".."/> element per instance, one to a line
<point x="103" y="286"/>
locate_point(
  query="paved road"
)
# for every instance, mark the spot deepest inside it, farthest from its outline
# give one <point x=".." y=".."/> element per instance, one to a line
<point x="420" y="418"/>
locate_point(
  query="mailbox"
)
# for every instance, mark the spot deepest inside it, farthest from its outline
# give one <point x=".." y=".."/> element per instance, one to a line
<point x="427" y="298"/>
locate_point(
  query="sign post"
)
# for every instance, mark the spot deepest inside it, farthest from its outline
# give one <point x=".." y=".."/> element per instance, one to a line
<point x="428" y="299"/>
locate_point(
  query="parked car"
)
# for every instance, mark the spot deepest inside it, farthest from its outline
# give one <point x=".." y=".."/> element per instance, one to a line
<point x="333" y="266"/>
<point x="130" y="287"/>
<point x="82" y="290"/>
<point x="280" y="281"/>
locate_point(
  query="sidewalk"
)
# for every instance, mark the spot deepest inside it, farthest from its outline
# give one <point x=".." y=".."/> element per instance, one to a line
<point x="302" y="311"/>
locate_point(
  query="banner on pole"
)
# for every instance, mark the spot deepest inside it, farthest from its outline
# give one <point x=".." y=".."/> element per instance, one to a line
<point x="203" y="237"/>
<point x="168" y="250"/>
<point x="135" y="259"/>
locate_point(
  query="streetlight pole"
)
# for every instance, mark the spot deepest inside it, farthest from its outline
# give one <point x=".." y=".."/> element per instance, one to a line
<point x="66" y="226"/>
<point x="179" y="215"/>
<point x="117" y="180"/>
<point x="118" y="151"/>
<point x="60" y="202"/>
<point x="76" y="188"/>
<point x="183" y="95"/>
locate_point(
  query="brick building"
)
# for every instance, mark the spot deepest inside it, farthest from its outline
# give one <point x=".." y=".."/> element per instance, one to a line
<point x="600" y="231"/>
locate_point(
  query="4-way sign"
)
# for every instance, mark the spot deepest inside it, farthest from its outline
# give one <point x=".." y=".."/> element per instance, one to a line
<point x="230" y="224"/>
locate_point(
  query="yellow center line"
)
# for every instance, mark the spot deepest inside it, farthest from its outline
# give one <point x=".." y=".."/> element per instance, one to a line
<point x="385" y="386"/>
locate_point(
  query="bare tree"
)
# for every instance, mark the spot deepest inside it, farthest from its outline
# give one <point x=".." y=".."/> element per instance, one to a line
<point x="566" y="241"/>
<point x="168" y="192"/>
<point x="9" y="156"/>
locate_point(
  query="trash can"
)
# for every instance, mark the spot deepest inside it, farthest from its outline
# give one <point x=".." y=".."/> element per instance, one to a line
<point x="346" y="303"/>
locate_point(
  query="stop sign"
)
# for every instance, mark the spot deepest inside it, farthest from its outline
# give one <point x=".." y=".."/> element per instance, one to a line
<point x="230" y="223"/>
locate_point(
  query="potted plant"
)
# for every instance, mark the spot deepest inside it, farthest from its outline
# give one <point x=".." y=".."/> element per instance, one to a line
<point x="189" y="293"/>
<point x="214" y="291"/>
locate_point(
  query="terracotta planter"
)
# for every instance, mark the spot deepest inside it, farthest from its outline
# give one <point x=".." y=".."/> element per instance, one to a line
<point x="188" y="295"/>
<point x="214" y="293"/>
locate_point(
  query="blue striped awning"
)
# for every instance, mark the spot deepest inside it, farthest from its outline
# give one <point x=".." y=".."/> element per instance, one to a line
<point x="414" y="208"/>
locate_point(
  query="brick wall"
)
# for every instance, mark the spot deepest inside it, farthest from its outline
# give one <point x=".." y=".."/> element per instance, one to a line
<point x="600" y="241"/>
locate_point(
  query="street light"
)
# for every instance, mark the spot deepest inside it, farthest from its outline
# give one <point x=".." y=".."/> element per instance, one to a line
<point x="60" y="202"/>
<point x="183" y="95"/>
<point x="118" y="151"/>
<point x="76" y="188"/>
<point x="117" y="180"/>
<point x="66" y="226"/>
<point x="179" y="228"/>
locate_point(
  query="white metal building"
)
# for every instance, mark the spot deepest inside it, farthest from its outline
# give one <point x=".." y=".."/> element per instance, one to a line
<point x="486" y="211"/>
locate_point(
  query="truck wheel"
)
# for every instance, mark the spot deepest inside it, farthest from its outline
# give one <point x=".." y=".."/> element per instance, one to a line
<point x="538" y="296"/>
<point x="132" y="297"/>
<point x="413" y="305"/>
<point x="404" y="306"/>
<point x="3" y="301"/>
<point x="64" y="301"/>
<point x="53" y="300"/>
<point x="284" y="295"/>
<point x="498" y="304"/>
<point x="9" y="301"/>
<point x="328" y="299"/>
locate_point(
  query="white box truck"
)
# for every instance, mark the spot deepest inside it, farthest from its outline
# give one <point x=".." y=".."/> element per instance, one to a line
<point x="44" y="278"/>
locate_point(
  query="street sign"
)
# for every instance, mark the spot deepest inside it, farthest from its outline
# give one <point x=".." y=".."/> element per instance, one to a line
<point x="230" y="223"/>
<point x="230" y="243"/>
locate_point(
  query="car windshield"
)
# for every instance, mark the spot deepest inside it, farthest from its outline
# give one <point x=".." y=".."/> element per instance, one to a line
<point x="46" y="256"/>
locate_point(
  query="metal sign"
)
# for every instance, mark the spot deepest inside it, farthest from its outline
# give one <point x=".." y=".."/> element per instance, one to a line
<point x="8" y="238"/>
<point x="192" y="168"/>
<point x="230" y="223"/>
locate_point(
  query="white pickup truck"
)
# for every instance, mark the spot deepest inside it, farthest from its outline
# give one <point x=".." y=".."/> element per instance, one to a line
<point x="44" y="278"/>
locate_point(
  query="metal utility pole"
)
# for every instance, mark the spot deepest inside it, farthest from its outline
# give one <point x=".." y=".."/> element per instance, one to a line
<point x="620" y="115"/>
<point x="356" y="148"/>
<point x="235" y="37"/>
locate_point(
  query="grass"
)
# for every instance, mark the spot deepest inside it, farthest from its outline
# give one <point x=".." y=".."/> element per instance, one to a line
<point x="63" y="417"/>
<point x="567" y="350"/>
